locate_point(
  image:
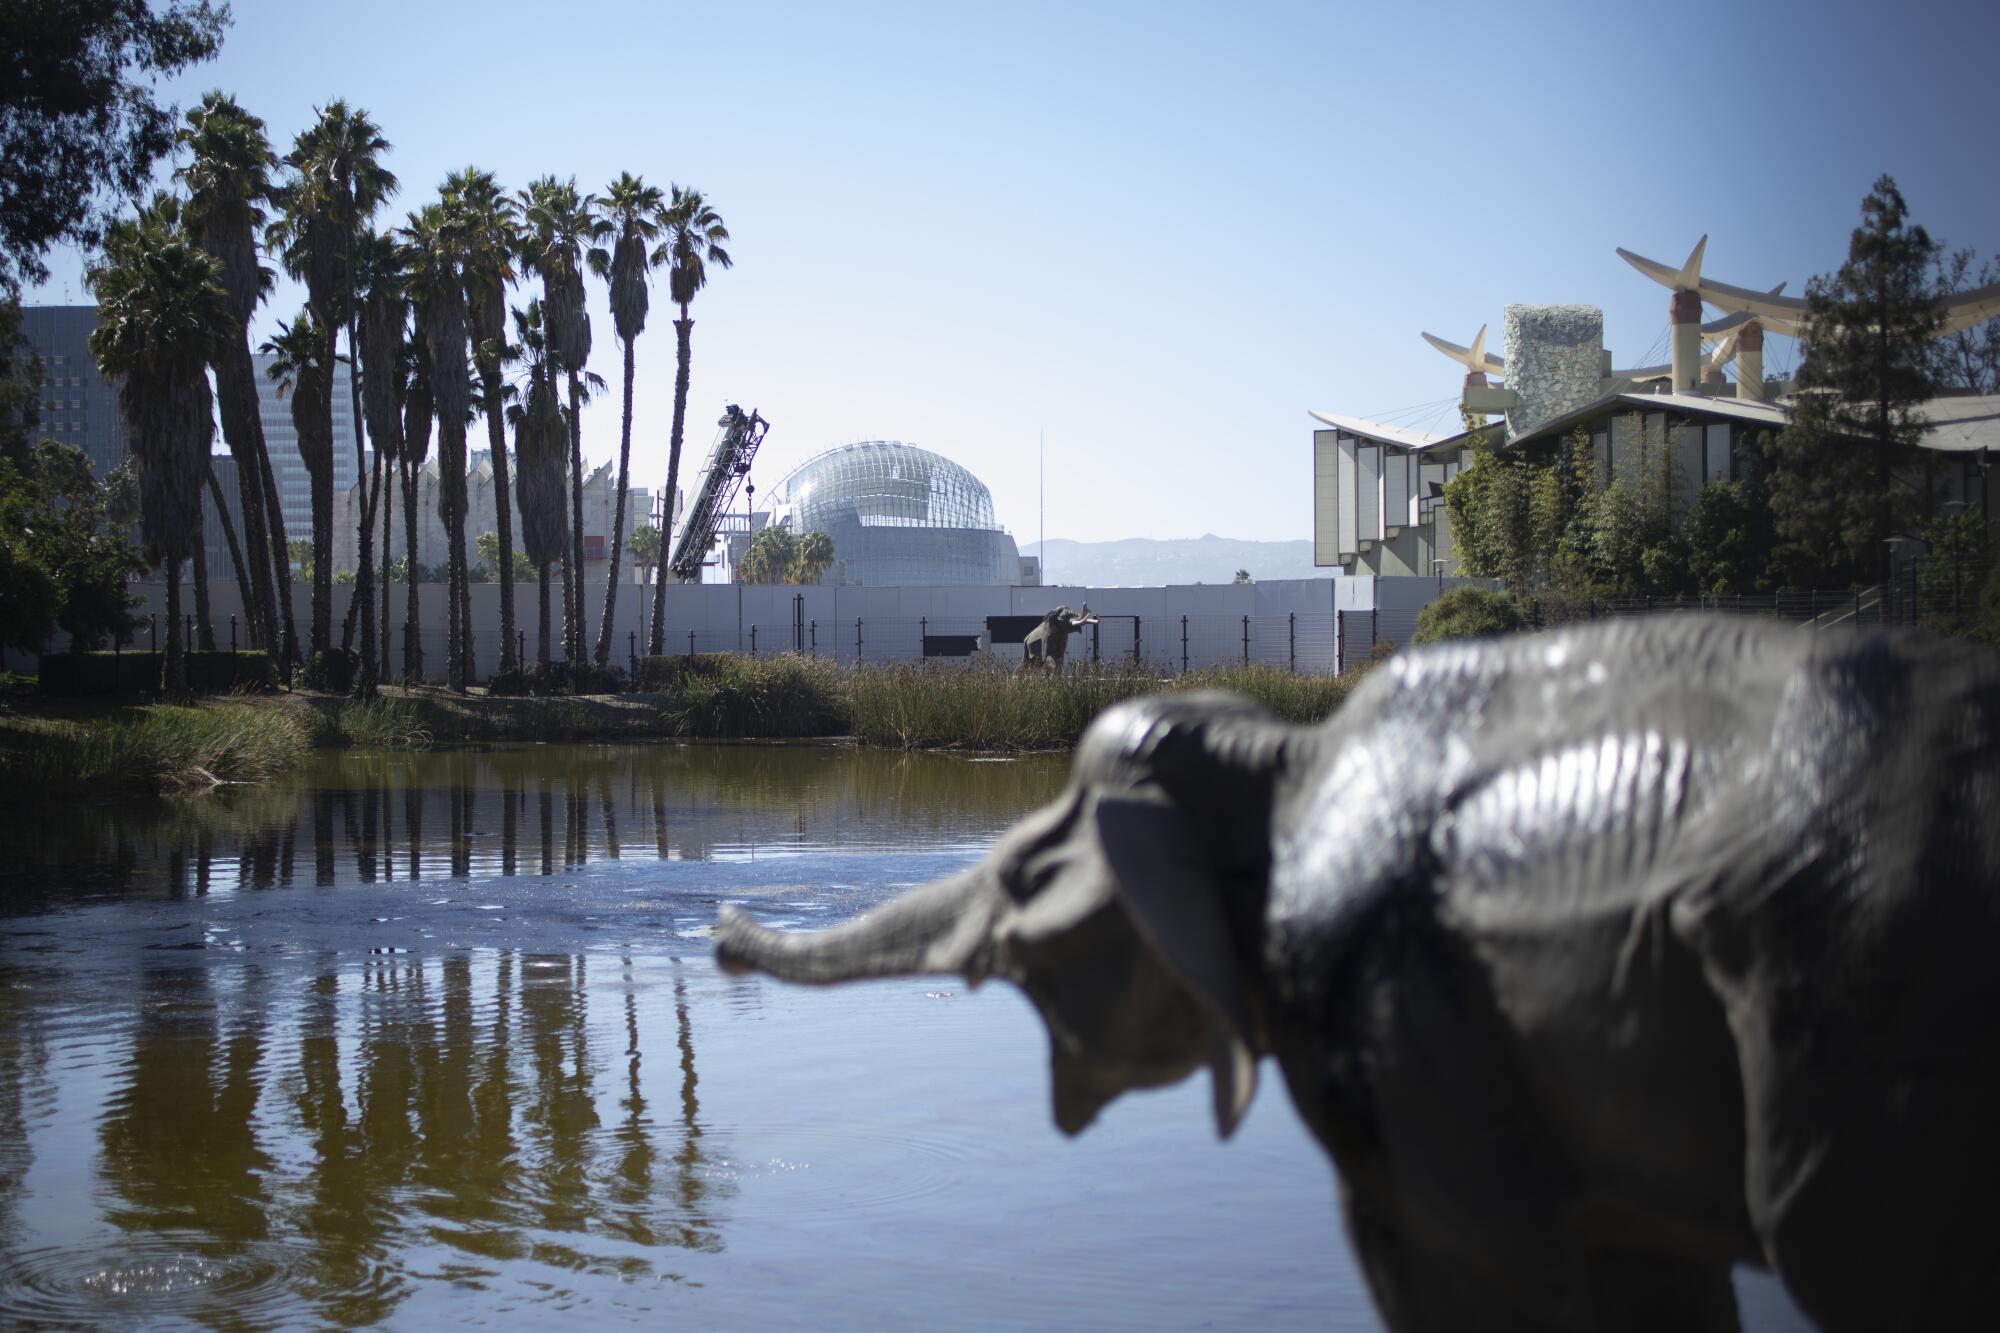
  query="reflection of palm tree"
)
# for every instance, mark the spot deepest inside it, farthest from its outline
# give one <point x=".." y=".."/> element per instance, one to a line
<point x="563" y="1113"/>
<point x="178" y="1147"/>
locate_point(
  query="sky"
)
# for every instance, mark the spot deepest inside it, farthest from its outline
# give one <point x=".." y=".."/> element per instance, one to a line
<point x="1154" y="235"/>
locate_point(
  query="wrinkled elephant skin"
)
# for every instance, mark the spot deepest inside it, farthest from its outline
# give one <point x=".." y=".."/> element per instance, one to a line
<point x="1599" y="961"/>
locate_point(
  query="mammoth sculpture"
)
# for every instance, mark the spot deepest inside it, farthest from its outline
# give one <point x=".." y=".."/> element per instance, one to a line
<point x="1599" y="961"/>
<point x="1046" y="644"/>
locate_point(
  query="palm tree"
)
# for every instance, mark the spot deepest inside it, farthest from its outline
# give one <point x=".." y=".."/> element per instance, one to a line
<point x="300" y="367"/>
<point x="437" y="284"/>
<point x="338" y="181"/>
<point x="228" y="178"/>
<point x="540" y="434"/>
<point x="490" y="226"/>
<point x="558" y="223"/>
<point x="633" y="210"/>
<point x="416" y="379"/>
<point x="694" y="241"/>
<point x="378" y="261"/>
<point x="812" y="557"/>
<point x="162" y="311"/>
<point x="644" y="544"/>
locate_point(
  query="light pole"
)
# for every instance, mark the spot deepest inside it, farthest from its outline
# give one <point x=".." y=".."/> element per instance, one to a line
<point x="1437" y="568"/>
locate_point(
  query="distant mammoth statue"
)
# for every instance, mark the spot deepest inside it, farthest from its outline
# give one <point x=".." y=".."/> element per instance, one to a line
<point x="1046" y="643"/>
<point x="1599" y="961"/>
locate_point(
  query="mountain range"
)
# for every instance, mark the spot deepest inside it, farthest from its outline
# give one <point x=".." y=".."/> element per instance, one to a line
<point x="1146" y="562"/>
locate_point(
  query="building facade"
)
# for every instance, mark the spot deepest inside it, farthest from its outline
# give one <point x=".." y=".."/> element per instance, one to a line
<point x="281" y="440"/>
<point x="77" y="405"/>
<point x="898" y="515"/>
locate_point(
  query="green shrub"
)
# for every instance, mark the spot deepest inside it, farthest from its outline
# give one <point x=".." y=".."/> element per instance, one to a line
<point x="556" y="678"/>
<point x="332" y="670"/>
<point x="729" y="696"/>
<point x="1468" y="613"/>
<point x="381" y="723"/>
<point x="667" y="671"/>
<point x="95" y="674"/>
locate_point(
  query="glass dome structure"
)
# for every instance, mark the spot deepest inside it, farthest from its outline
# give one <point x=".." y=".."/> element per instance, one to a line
<point x="897" y="514"/>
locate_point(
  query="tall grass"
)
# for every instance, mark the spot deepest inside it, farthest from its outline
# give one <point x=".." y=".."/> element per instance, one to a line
<point x="780" y="696"/>
<point x="159" y="749"/>
<point x="987" y="708"/>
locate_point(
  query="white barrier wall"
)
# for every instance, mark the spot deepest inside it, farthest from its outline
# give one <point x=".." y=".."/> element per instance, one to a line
<point x="1289" y="623"/>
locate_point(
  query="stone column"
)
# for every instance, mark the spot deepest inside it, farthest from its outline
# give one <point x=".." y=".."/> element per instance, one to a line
<point x="1750" y="361"/>
<point x="1684" y="312"/>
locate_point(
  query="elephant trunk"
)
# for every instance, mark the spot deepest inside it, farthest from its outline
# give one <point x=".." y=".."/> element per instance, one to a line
<point x="944" y="927"/>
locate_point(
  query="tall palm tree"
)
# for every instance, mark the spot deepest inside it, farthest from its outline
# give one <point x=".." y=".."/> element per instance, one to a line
<point x="228" y="178"/>
<point x="338" y="182"/>
<point x="299" y="364"/>
<point x="490" y="225"/>
<point x="694" y="241"/>
<point x="558" y="223"/>
<point x="437" y="285"/>
<point x="162" y="311"/>
<point x="417" y="412"/>
<point x="384" y="310"/>
<point x="812" y="557"/>
<point x="633" y="210"/>
<point x="540" y="435"/>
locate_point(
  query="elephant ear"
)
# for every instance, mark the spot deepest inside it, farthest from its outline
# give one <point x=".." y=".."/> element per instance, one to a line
<point x="1170" y="887"/>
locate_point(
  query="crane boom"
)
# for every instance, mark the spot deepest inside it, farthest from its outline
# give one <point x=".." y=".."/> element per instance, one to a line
<point x="728" y="463"/>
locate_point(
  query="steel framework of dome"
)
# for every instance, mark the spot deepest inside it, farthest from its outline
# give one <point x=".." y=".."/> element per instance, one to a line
<point x="898" y="514"/>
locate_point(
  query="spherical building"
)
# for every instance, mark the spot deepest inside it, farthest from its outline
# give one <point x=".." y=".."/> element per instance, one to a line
<point x="897" y="515"/>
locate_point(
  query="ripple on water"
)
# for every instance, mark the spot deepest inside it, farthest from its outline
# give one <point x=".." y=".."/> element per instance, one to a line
<point x="852" y="1169"/>
<point x="149" y="1281"/>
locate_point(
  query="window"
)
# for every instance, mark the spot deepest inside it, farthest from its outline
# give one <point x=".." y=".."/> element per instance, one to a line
<point x="1715" y="462"/>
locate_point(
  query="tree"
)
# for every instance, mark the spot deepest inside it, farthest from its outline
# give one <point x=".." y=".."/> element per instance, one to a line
<point x="694" y="235"/>
<point x="487" y="544"/>
<point x="161" y="313"/>
<point x="558" y="223"/>
<point x="769" y="557"/>
<point x="228" y="178"/>
<point x="1835" y="493"/>
<point x="489" y="226"/>
<point x="814" y="556"/>
<point x="1467" y="613"/>
<point x="633" y="210"/>
<point x="299" y="366"/>
<point x="539" y="436"/>
<point x="301" y="553"/>
<point x="385" y="312"/>
<point x="63" y="559"/>
<point x="78" y="132"/>
<point x="417" y="413"/>
<point x="1968" y="359"/>
<point x="1242" y="577"/>
<point x="337" y="183"/>
<point x="436" y="279"/>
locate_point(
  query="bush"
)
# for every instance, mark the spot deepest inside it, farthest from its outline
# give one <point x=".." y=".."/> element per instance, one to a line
<point x="669" y="671"/>
<point x="1468" y="613"/>
<point x="83" y="675"/>
<point x="157" y="749"/>
<point x="728" y="697"/>
<point x="556" y="679"/>
<point x="332" y="670"/>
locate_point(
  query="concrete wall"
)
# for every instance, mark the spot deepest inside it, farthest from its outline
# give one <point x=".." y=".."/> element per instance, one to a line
<point x="1290" y="623"/>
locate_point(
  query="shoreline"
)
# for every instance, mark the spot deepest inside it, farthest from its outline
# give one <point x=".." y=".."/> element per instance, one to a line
<point x="61" y="748"/>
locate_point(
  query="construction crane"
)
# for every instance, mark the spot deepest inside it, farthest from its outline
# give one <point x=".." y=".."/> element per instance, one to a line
<point x="728" y="464"/>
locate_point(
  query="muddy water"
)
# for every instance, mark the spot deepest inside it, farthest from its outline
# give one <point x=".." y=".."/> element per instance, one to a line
<point x="426" y="1040"/>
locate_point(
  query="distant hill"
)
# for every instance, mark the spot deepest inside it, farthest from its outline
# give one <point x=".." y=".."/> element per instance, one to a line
<point x="1144" y="562"/>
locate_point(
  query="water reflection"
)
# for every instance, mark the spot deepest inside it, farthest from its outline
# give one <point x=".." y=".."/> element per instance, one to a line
<point x="524" y="810"/>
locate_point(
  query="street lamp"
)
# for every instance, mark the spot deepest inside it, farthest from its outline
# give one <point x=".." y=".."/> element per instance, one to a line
<point x="1437" y="568"/>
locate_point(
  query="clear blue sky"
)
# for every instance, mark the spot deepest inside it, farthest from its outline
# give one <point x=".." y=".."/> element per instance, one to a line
<point x="1159" y="232"/>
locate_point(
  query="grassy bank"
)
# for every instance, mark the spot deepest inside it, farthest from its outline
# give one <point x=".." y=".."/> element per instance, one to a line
<point x="159" y="748"/>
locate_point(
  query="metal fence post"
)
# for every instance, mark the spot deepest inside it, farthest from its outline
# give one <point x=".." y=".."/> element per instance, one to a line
<point x="690" y="645"/>
<point x="1339" y="642"/>
<point x="1183" y="645"/>
<point x="923" y="633"/>
<point x="1372" y="613"/>
<point x="1246" y="641"/>
<point x="153" y="630"/>
<point x="1136" y="655"/>
<point x="520" y="644"/>
<point x="632" y="650"/>
<point x="232" y="633"/>
<point x="1095" y="635"/>
<point x="1292" y="639"/>
<point x="815" y="639"/>
<point x="857" y="638"/>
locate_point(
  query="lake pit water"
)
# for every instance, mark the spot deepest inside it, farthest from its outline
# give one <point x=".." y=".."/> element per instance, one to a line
<point x="415" y="1040"/>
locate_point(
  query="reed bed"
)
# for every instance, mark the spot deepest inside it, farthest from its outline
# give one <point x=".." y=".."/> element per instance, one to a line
<point x="157" y="749"/>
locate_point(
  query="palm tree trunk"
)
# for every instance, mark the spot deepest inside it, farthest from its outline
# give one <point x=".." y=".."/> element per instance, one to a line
<point x="388" y="527"/>
<point x="322" y="537"/>
<point x="173" y="669"/>
<point x="204" y="627"/>
<point x="413" y="643"/>
<point x="503" y="515"/>
<point x="454" y="650"/>
<point x="569" y="600"/>
<point x="617" y="519"/>
<point x="542" y="639"/>
<point x="364" y="582"/>
<point x="683" y="338"/>
<point x="283" y="626"/>
<point x="235" y="551"/>
<point x="574" y="646"/>
<point x="243" y="430"/>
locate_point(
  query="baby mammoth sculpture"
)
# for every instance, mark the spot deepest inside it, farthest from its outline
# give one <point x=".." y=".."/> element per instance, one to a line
<point x="1599" y="961"/>
<point x="1046" y="644"/>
